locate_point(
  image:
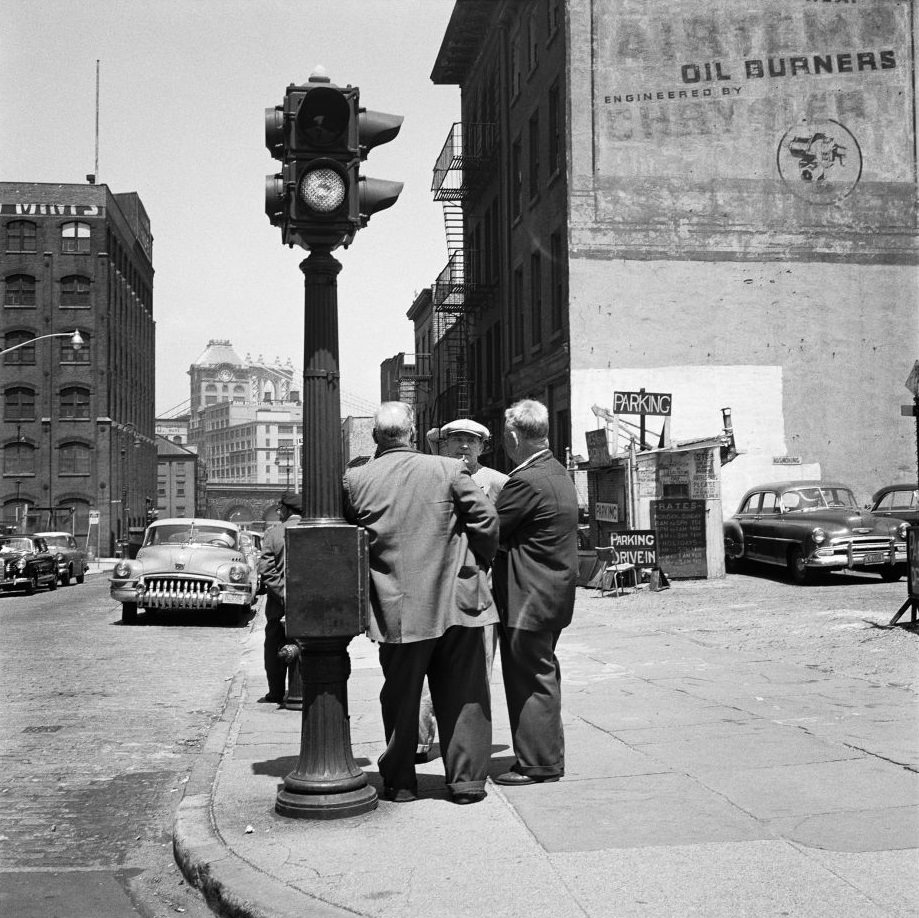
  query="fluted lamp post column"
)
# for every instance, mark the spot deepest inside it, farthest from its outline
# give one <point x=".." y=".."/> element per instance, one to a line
<point x="326" y="576"/>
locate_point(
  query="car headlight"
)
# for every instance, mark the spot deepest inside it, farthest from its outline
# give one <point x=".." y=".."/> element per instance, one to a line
<point x="122" y="570"/>
<point x="819" y="536"/>
<point x="238" y="573"/>
<point x="59" y="556"/>
<point x="901" y="531"/>
<point x="21" y="564"/>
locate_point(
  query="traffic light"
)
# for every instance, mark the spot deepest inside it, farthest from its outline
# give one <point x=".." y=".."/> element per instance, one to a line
<point x="321" y="135"/>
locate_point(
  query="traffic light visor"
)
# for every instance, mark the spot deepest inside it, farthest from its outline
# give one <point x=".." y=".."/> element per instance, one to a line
<point x="323" y="117"/>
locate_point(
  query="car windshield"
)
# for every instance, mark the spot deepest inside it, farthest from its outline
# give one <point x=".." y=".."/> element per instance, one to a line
<point x="16" y="545"/>
<point x="809" y="500"/>
<point x="180" y="533"/>
<point x="61" y="541"/>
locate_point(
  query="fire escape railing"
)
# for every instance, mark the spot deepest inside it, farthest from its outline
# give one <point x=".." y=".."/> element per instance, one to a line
<point x="461" y="169"/>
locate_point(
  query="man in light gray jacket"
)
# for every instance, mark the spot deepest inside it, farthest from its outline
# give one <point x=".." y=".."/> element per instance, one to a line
<point x="432" y="536"/>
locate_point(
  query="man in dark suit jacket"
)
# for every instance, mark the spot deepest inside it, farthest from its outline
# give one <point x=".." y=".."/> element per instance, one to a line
<point x="271" y="568"/>
<point x="535" y="578"/>
<point x="432" y="535"/>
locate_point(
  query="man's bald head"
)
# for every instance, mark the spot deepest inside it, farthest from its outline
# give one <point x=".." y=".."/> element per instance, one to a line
<point x="393" y="425"/>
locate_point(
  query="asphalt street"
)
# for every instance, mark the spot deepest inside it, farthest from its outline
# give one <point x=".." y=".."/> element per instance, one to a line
<point x="100" y="725"/>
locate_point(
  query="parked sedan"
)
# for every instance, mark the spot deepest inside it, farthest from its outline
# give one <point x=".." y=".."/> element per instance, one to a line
<point x="70" y="558"/>
<point x="186" y="564"/>
<point x="26" y="564"/>
<point x="898" y="501"/>
<point x="810" y="526"/>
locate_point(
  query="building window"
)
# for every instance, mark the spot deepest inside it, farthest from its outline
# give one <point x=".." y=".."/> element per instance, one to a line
<point x="23" y="355"/>
<point x="554" y="16"/>
<point x="19" y="459"/>
<point x="75" y="238"/>
<point x="555" y="130"/>
<point x="516" y="181"/>
<point x="557" y="294"/>
<point x="532" y="41"/>
<point x="517" y="317"/>
<point x="74" y="403"/>
<point x="75" y="292"/>
<point x="535" y="299"/>
<point x="515" y="67"/>
<point x="20" y="290"/>
<point x="20" y="236"/>
<point x="69" y="354"/>
<point x="75" y="459"/>
<point x="534" y="155"/>
<point x="19" y="404"/>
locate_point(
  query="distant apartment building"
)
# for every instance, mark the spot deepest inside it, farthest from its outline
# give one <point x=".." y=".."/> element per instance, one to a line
<point x="181" y="481"/>
<point x="77" y="430"/>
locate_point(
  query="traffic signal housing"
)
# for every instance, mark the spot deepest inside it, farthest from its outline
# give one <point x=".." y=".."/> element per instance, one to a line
<point x="320" y="134"/>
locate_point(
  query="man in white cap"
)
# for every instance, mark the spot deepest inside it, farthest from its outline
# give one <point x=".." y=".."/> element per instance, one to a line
<point x="462" y="439"/>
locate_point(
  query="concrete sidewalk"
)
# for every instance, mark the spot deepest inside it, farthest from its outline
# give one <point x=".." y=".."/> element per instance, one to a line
<point x="700" y="781"/>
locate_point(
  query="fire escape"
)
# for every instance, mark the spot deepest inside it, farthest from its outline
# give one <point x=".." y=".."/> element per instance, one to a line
<point x="459" y="290"/>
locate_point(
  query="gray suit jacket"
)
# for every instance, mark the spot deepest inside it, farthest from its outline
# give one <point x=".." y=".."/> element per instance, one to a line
<point x="432" y="534"/>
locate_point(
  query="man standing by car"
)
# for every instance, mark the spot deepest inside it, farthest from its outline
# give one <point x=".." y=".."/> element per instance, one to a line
<point x="535" y="579"/>
<point x="271" y="569"/>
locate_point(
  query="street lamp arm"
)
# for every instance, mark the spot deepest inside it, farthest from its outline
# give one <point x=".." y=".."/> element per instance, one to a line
<point x="75" y="339"/>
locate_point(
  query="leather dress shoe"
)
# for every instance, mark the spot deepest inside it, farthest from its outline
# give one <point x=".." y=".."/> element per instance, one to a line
<point x="399" y="794"/>
<point x="270" y="699"/>
<point x="515" y="779"/>
<point x="466" y="797"/>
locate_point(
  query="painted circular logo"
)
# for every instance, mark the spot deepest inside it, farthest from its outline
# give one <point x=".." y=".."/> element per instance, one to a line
<point x="820" y="161"/>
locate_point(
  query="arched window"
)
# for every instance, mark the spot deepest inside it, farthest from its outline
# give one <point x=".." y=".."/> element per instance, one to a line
<point x="20" y="290"/>
<point x="70" y="355"/>
<point x="19" y="404"/>
<point x="74" y="403"/>
<point x="22" y="356"/>
<point x="75" y="291"/>
<point x="75" y="459"/>
<point x="75" y="238"/>
<point x="20" y="236"/>
<point x="18" y="459"/>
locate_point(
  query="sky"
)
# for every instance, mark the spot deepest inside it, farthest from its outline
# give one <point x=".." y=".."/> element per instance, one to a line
<point x="184" y="85"/>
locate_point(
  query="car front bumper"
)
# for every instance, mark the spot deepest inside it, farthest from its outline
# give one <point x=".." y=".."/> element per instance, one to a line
<point x="14" y="583"/>
<point x="854" y="555"/>
<point x="154" y="592"/>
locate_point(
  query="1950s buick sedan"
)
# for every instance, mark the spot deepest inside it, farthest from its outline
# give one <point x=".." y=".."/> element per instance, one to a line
<point x="187" y="565"/>
<point x="813" y="526"/>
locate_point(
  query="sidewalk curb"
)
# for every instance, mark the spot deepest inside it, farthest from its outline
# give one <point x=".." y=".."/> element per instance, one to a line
<point x="231" y="886"/>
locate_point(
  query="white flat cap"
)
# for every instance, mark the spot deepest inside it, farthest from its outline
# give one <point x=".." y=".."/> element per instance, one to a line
<point x="466" y="426"/>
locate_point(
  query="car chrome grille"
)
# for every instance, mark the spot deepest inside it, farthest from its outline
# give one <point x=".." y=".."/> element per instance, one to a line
<point x="177" y="593"/>
<point x="856" y="548"/>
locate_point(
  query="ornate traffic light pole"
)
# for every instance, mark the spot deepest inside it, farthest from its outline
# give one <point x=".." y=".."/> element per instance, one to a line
<point x="320" y="201"/>
<point x="325" y="586"/>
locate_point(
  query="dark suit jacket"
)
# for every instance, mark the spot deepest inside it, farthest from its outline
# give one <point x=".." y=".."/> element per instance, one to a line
<point x="271" y="567"/>
<point x="432" y="534"/>
<point x="536" y="570"/>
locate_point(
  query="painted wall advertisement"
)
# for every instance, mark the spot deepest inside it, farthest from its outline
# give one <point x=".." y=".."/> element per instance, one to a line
<point x="806" y="100"/>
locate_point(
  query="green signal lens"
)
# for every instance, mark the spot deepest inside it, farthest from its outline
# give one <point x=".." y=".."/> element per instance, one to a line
<point x="322" y="190"/>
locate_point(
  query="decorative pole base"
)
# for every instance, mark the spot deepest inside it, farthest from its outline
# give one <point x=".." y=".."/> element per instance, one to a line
<point x="326" y="806"/>
<point x="327" y="783"/>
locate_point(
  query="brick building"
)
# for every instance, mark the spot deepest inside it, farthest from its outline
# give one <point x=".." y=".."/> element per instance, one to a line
<point x="78" y="425"/>
<point x="714" y="201"/>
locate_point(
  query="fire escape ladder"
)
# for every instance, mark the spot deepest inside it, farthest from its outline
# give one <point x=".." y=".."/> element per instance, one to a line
<point x="460" y="168"/>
